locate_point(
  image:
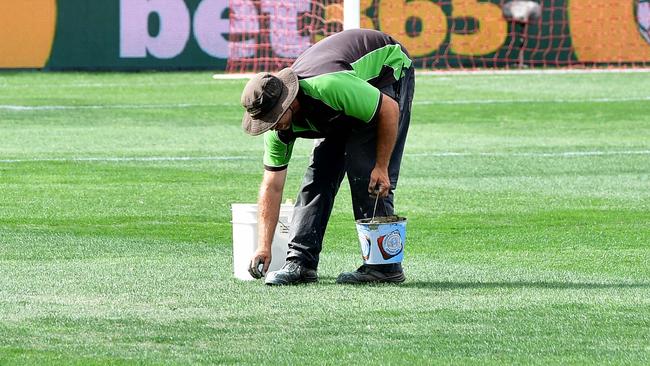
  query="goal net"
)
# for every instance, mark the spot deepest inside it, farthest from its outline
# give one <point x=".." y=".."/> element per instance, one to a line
<point x="451" y="34"/>
<point x="269" y="34"/>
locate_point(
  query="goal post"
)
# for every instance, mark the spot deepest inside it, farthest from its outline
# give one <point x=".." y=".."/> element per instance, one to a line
<point x="351" y="14"/>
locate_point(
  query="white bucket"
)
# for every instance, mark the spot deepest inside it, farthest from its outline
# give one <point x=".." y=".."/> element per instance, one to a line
<point x="244" y="238"/>
<point x="382" y="242"/>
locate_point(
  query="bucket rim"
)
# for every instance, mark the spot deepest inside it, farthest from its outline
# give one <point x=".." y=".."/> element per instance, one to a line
<point x="398" y="220"/>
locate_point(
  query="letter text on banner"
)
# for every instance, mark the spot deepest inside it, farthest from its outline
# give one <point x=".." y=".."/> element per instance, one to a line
<point x="210" y="28"/>
<point x="394" y="14"/>
<point x="491" y="33"/>
<point x="366" y="21"/>
<point x="285" y="40"/>
<point x="244" y="22"/>
<point x="175" y="25"/>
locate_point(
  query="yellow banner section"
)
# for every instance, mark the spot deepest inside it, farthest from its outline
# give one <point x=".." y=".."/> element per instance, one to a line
<point x="394" y="14"/>
<point x="606" y="31"/>
<point x="27" y="30"/>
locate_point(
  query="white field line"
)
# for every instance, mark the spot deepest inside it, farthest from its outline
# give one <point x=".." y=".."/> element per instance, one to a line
<point x="129" y="159"/>
<point x="35" y="108"/>
<point x="129" y="84"/>
<point x="244" y="76"/>
<point x="529" y="101"/>
<point x="233" y="76"/>
<point x="32" y="108"/>
<point x="224" y="76"/>
<point x="561" y="154"/>
<point x="532" y="71"/>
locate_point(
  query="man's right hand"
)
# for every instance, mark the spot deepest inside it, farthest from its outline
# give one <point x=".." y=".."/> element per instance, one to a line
<point x="268" y="205"/>
<point x="379" y="182"/>
<point x="260" y="263"/>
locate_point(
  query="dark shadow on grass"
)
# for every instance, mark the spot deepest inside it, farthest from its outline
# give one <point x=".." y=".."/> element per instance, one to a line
<point x="451" y="285"/>
<point x="454" y="285"/>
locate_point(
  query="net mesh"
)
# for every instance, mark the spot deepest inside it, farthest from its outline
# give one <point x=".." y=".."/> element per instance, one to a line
<point x="267" y="35"/>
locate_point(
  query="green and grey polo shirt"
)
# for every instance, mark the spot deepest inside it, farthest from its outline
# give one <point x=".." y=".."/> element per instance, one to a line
<point x="339" y="80"/>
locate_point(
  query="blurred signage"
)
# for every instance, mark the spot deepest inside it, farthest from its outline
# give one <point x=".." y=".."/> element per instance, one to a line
<point x="209" y="25"/>
<point x="205" y="34"/>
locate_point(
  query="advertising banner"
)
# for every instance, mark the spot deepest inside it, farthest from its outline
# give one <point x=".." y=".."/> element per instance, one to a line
<point x="250" y="35"/>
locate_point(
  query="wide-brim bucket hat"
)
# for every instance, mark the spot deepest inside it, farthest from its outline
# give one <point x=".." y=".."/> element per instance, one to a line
<point x="266" y="97"/>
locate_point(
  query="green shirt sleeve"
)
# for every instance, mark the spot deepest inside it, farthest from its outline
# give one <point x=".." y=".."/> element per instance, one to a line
<point x="345" y="92"/>
<point x="276" y="153"/>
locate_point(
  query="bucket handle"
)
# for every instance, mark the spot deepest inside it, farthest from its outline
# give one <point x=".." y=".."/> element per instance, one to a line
<point x="383" y="205"/>
<point x="283" y="225"/>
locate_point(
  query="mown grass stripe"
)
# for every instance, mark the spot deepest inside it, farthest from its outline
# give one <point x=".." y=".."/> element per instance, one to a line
<point x="242" y="157"/>
<point x="36" y="108"/>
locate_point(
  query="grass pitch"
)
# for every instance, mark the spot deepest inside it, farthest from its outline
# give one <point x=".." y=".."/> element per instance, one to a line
<point x="528" y="199"/>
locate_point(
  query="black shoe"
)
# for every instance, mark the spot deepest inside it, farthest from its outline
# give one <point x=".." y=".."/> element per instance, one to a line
<point x="367" y="274"/>
<point x="291" y="273"/>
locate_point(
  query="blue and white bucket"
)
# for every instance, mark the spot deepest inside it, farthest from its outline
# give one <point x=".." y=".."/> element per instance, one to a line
<point x="382" y="239"/>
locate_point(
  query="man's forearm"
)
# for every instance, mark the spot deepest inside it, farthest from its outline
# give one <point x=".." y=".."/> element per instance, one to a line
<point x="269" y="211"/>
<point x="386" y="131"/>
<point x="268" y="204"/>
<point x="386" y="136"/>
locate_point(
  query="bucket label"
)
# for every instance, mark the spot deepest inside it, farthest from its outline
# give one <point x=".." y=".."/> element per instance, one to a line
<point x="390" y="245"/>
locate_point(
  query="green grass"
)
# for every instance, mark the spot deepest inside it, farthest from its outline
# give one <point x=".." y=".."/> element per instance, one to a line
<point x="528" y="199"/>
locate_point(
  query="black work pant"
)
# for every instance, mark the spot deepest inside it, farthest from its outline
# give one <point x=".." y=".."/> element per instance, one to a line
<point x="353" y="153"/>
